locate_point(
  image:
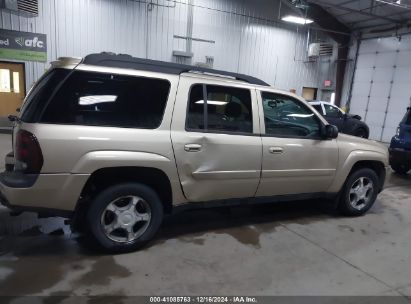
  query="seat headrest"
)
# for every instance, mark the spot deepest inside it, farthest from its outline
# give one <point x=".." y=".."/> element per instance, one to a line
<point x="233" y="110"/>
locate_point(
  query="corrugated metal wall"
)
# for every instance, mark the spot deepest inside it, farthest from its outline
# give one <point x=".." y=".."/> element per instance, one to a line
<point x="246" y="37"/>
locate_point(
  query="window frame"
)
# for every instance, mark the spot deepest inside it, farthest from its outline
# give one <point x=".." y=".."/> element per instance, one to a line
<point x="318" y="119"/>
<point x="61" y="84"/>
<point x="205" y="98"/>
<point x="320" y="104"/>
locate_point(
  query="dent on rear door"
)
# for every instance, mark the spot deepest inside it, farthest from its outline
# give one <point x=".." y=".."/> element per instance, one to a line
<point x="225" y="166"/>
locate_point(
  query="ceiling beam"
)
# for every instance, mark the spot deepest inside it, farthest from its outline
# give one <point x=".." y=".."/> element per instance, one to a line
<point x="389" y="15"/>
<point x="363" y="9"/>
<point x="325" y="4"/>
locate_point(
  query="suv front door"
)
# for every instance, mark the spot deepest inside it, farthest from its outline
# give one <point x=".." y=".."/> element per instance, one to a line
<point x="296" y="160"/>
<point x="215" y="134"/>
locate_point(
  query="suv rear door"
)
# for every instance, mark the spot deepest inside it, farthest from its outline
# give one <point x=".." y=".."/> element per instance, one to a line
<point x="296" y="160"/>
<point x="215" y="135"/>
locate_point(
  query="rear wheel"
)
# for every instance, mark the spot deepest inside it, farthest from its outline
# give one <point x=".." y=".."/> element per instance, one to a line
<point x="400" y="168"/>
<point x="359" y="192"/>
<point x="124" y="217"/>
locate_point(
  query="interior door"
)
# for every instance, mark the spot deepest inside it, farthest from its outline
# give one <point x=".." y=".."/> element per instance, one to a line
<point x="215" y="135"/>
<point x="12" y="87"/>
<point x="295" y="158"/>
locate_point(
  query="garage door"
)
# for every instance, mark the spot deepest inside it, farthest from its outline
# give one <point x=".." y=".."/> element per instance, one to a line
<point x="381" y="89"/>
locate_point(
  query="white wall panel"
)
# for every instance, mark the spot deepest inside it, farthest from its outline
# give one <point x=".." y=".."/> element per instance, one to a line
<point x="381" y="88"/>
<point x="247" y="37"/>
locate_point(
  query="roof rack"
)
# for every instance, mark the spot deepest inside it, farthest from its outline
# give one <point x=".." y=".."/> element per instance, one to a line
<point x="129" y="62"/>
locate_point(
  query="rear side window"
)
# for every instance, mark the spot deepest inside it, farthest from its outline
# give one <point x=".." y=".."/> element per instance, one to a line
<point x="97" y="99"/>
<point x="41" y="93"/>
<point x="225" y="109"/>
<point x="407" y="118"/>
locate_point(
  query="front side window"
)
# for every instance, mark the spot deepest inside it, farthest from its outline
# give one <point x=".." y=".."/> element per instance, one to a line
<point x="225" y="109"/>
<point x="89" y="98"/>
<point x="285" y="116"/>
<point x="331" y="111"/>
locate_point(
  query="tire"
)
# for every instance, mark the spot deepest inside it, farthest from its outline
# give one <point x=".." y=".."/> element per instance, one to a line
<point x="360" y="132"/>
<point x="354" y="199"/>
<point x="401" y="169"/>
<point x="133" y="212"/>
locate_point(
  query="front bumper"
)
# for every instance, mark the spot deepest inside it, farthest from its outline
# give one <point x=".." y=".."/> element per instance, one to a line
<point x="57" y="194"/>
<point x="400" y="156"/>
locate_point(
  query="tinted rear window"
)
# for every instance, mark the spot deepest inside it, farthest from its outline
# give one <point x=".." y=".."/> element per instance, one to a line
<point x="89" y="98"/>
<point x="407" y="118"/>
<point x="41" y="93"/>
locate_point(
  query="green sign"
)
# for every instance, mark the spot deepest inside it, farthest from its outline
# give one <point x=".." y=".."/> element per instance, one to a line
<point x="23" y="46"/>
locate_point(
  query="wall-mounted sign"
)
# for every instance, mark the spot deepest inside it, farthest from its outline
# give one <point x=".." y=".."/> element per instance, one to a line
<point x="23" y="46"/>
<point x="327" y="83"/>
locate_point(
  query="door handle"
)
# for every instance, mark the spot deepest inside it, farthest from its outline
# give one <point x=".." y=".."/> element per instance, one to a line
<point x="192" y="147"/>
<point x="276" y="150"/>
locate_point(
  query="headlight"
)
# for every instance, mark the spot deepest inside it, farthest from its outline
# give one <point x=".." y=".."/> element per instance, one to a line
<point x="398" y="131"/>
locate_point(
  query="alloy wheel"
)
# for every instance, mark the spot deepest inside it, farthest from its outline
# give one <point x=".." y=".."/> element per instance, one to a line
<point x="126" y="218"/>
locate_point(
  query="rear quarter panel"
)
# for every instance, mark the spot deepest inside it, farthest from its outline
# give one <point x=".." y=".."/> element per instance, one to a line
<point x="81" y="150"/>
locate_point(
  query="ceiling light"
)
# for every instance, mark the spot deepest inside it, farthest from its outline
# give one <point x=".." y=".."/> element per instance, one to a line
<point x="295" y="19"/>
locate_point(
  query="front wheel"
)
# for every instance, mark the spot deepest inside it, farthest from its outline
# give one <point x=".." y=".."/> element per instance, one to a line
<point x="359" y="192"/>
<point x="124" y="217"/>
<point x="400" y="168"/>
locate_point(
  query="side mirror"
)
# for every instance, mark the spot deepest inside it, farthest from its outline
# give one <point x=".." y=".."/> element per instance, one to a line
<point x="357" y="117"/>
<point x="331" y="132"/>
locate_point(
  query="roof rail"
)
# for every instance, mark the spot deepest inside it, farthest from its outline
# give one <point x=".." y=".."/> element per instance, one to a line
<point x="129" y="62"/>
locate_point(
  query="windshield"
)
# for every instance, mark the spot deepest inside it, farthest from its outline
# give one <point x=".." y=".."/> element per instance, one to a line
<point x="407" y="118"/>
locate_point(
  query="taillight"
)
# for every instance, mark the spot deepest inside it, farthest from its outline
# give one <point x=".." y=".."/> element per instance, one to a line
<point x="29" y="157"/>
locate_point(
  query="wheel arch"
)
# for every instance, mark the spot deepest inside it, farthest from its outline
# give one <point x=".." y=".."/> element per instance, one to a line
<point x="357" y="160"/>
<point x="377" y="166"/>
<point x="108" y="176"/>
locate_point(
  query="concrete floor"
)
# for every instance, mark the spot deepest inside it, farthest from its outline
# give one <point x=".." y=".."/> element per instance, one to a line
<point x="294" y="248"/>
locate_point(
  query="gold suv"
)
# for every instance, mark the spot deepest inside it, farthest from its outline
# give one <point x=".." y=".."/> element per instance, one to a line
<point x="115" y="143"/>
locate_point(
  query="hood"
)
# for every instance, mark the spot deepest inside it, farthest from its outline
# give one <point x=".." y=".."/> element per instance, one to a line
<point x="355" y="116"/>
<point x="358" y="143"/>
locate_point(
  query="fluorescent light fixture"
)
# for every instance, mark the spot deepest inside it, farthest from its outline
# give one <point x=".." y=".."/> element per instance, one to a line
<point x="95" y="99"/>
<point x="296" y="19"/>
<point x="213" y="102"/>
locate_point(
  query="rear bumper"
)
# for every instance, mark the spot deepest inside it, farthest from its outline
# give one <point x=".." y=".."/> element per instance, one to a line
<point x="400" y="156"/>
<point x="55" y="193"/>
